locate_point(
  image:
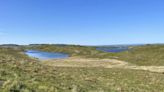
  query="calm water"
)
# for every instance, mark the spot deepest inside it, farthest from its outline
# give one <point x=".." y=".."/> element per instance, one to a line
<point x="113" y="49"/>
<point x="45" y="55"/>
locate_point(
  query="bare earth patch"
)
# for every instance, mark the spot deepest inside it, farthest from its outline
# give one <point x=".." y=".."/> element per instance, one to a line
<point x="105" y="63"/>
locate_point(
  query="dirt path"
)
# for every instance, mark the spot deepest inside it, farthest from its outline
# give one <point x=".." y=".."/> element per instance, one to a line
<point x="159" y="69"/>
<point x="105" y="63"/>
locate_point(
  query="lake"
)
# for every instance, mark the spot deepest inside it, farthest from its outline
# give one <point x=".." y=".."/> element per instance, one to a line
<point x="45" y="55"/>
<point x="113" y="49"/>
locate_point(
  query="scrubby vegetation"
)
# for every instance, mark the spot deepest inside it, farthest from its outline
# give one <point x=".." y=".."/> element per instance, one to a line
<point x="149" y="55"/>
<point x="19" y="73"/>
<point x="72" y="50"/>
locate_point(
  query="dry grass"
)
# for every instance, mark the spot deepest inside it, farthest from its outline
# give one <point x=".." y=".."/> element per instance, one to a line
<point x="104" y="63"/>
<point x="18" y="73"/>
<point x="84" y="62"/>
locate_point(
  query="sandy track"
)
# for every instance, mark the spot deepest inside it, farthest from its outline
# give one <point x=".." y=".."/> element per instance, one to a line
<point x="105" y="63"/>
<point x="159" y="69"/>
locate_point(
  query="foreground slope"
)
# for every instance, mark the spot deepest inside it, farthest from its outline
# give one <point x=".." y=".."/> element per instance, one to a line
<point x="18" y="73"/>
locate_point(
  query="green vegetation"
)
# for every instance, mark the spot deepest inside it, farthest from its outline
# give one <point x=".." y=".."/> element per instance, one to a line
<point x="139" y="55"/>
<point x="144" y="55"/>
<point x="19" y="73"/>
<point x="72" y="50"/>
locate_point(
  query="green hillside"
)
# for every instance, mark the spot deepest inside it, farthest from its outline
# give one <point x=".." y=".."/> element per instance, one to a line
<point x="19" y="73"/>
<point x="144" y="55"/>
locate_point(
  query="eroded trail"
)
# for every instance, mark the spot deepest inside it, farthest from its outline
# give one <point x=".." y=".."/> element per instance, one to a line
<point x="159" y="69"/>
<point x="105" y="63"/>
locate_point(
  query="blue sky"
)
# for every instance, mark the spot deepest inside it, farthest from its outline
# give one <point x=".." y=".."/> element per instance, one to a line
<point x="86" y="22"/>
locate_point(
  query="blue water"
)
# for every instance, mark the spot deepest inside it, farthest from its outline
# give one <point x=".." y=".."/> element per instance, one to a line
<point x="113" y="50"/>
<point x="45" y="55"/>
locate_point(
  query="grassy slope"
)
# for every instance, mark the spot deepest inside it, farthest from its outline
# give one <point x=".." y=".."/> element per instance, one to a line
<point x="75" y="51"/>
<point x="21" y="74"/>
<point x="72" y="50"/>
<point x="144" y="55"/>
